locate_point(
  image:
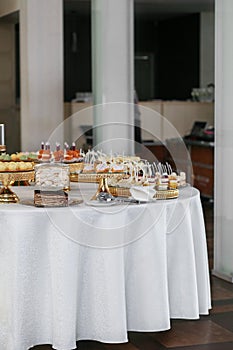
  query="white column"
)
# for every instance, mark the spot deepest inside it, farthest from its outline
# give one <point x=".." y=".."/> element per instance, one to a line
<point x="206" y="48"/>
<point x="41" y="66"/>
<point x="223" y="226"/>
<point x="112" y="75"/>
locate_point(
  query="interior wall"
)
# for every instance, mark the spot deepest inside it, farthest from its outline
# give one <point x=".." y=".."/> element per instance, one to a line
<point x="7" y="66"/>
<point x="9" y="112"/>
<point x="9" y="6"/>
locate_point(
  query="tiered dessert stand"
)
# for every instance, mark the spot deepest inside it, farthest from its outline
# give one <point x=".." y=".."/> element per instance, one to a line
<point x="7" y="179"/>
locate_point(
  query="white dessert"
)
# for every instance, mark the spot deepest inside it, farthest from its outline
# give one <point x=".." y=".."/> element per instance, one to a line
<point x="88" y="168"/>
<point x="52" y="176"/>
<point x="102" y="168"/>
<point x="117" y="168"/>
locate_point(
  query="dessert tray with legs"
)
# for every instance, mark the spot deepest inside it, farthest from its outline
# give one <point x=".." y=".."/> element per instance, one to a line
<point x="7" y="179"/>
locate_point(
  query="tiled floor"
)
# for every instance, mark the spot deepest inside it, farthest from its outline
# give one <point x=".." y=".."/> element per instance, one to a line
<point x="213" y="332"/>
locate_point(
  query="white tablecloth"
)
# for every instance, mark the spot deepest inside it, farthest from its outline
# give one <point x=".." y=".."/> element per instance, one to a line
<point x="82" y="272"/>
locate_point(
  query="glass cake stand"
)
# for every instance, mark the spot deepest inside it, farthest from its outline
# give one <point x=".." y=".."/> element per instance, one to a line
<point x="7" y="179"/>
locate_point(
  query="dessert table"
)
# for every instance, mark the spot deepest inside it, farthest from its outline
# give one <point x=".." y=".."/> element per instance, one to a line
<point x="96" y="272"/>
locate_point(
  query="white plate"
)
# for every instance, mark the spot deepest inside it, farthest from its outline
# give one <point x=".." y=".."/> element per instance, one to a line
<point x="94" y="203"/>
<point x="133" y="200"/>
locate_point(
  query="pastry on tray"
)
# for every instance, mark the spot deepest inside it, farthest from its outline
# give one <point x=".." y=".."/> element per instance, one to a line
<point x="102" y="168"/>
<point x="16" y="166"/>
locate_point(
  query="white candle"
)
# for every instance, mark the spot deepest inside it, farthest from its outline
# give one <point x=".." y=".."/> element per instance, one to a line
<point x="2" y="135"/>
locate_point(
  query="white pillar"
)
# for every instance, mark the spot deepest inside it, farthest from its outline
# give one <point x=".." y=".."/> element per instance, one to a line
<point x="112" y="74"/>
<point x="41" y="66"/>
<point x="223" y="226"/>
<point x="206" y="48"/>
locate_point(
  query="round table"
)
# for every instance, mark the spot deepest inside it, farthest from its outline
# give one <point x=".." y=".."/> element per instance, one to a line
<point x="84" y="272"/>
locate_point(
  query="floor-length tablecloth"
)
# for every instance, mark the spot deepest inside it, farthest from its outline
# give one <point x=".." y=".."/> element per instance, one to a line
<point x="87" y="272"/>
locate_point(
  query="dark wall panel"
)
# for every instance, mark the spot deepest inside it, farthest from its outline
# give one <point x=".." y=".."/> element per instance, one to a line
<point x="171" y="44"/>
<point x="178" y="57"/>
<point x="77" y="54"/>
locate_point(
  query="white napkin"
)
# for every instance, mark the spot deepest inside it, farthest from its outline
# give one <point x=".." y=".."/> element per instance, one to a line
<point x="142" y="193"/>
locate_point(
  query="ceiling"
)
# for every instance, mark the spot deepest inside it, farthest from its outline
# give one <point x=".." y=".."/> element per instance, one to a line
<point x="156" y="9"/>
<point x="150" y="8"/>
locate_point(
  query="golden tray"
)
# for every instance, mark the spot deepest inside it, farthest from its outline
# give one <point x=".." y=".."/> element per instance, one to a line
<point x="75" y="167"/>
<point x="167" y="194"/>
<point x="8" y="178"/>
<point x="84" y="178"/>
<point x="119" y="191"/>
<point x="125" y="192"/>
<point x="93" y="177"/>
